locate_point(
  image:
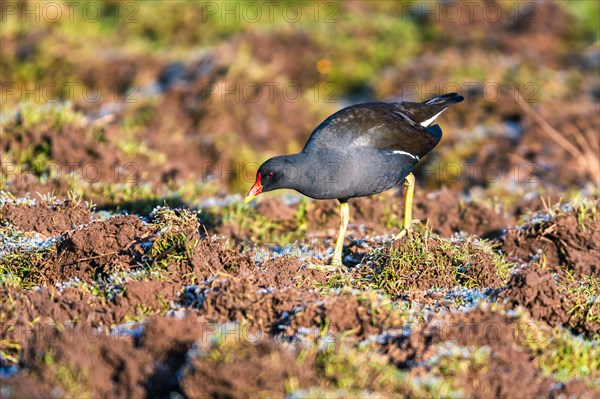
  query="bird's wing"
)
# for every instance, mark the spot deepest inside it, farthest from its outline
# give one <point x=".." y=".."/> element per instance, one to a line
<point x="403" y="133"/>
<point x="376" y="125"/>
<point x="404" y="127"/>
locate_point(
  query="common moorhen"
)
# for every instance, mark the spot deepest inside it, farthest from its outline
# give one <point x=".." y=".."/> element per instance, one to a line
<point x="361" y="150"/>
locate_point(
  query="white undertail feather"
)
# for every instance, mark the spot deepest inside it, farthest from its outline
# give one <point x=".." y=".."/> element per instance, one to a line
<point x="406" y="153"/>
<point x="432" y="119"/>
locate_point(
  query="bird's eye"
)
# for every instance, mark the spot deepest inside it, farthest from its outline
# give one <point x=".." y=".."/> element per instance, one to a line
<point x="271" y="175"/>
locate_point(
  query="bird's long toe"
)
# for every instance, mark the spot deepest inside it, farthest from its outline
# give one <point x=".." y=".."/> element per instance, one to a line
<point x="333" y="267"/>
<point x="402" y="233"/>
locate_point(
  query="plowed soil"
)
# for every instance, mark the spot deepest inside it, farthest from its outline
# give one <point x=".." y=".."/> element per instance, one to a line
<point x="44" y="219"/>
<point x="507" y="373"/>
<point x="569" y="242"/>
<point x="85" y="331"/>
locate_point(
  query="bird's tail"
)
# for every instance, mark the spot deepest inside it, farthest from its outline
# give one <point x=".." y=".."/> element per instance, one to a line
<point x="431" y="109"/>
<point x="426" y="113"/>
<point x="444" y="100"/>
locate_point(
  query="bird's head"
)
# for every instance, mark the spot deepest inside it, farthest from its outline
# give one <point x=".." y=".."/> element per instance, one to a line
<point x="272" y="175"/>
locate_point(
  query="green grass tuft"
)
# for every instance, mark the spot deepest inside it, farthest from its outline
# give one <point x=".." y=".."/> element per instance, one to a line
<point x="425" y="261"/>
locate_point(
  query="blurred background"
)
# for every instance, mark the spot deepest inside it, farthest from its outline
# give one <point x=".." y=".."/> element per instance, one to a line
<point x="134" y="103"/>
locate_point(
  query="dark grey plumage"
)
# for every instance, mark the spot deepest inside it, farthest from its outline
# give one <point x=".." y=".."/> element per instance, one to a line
<point x="360" y="150"/>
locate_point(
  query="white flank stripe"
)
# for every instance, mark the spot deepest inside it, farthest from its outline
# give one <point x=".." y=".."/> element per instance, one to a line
<point x="407" y="153"/>
<point x="433" y="118"/>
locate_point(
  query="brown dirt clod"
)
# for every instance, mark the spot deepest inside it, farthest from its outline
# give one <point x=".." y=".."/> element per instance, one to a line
<point x="47" y="219"/>
<point x="563" y="241"/>
<point x="98" y="248"/>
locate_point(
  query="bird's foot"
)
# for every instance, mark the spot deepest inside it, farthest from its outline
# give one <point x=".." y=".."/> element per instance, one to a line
<point x="405" y="231"/>
<point x="333" y="267"/>
<point x="401" y="234"/>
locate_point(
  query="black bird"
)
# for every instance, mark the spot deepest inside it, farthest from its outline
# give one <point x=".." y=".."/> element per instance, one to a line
<point x="361" y="150"/>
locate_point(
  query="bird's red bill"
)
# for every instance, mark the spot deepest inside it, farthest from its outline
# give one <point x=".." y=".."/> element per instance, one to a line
<point x="255" y="190"/>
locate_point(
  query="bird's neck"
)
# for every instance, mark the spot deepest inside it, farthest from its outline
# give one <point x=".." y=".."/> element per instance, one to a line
<point x="296" y="170"/>
<point x="305" y="175"/>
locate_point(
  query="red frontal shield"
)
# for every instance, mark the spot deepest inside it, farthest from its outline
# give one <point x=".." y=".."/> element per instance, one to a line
<point x="255" y="190"/>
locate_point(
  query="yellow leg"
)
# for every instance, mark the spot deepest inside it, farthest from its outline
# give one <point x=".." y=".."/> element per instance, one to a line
<point x="409" y="185"/>
<point x="336" y="261"/>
